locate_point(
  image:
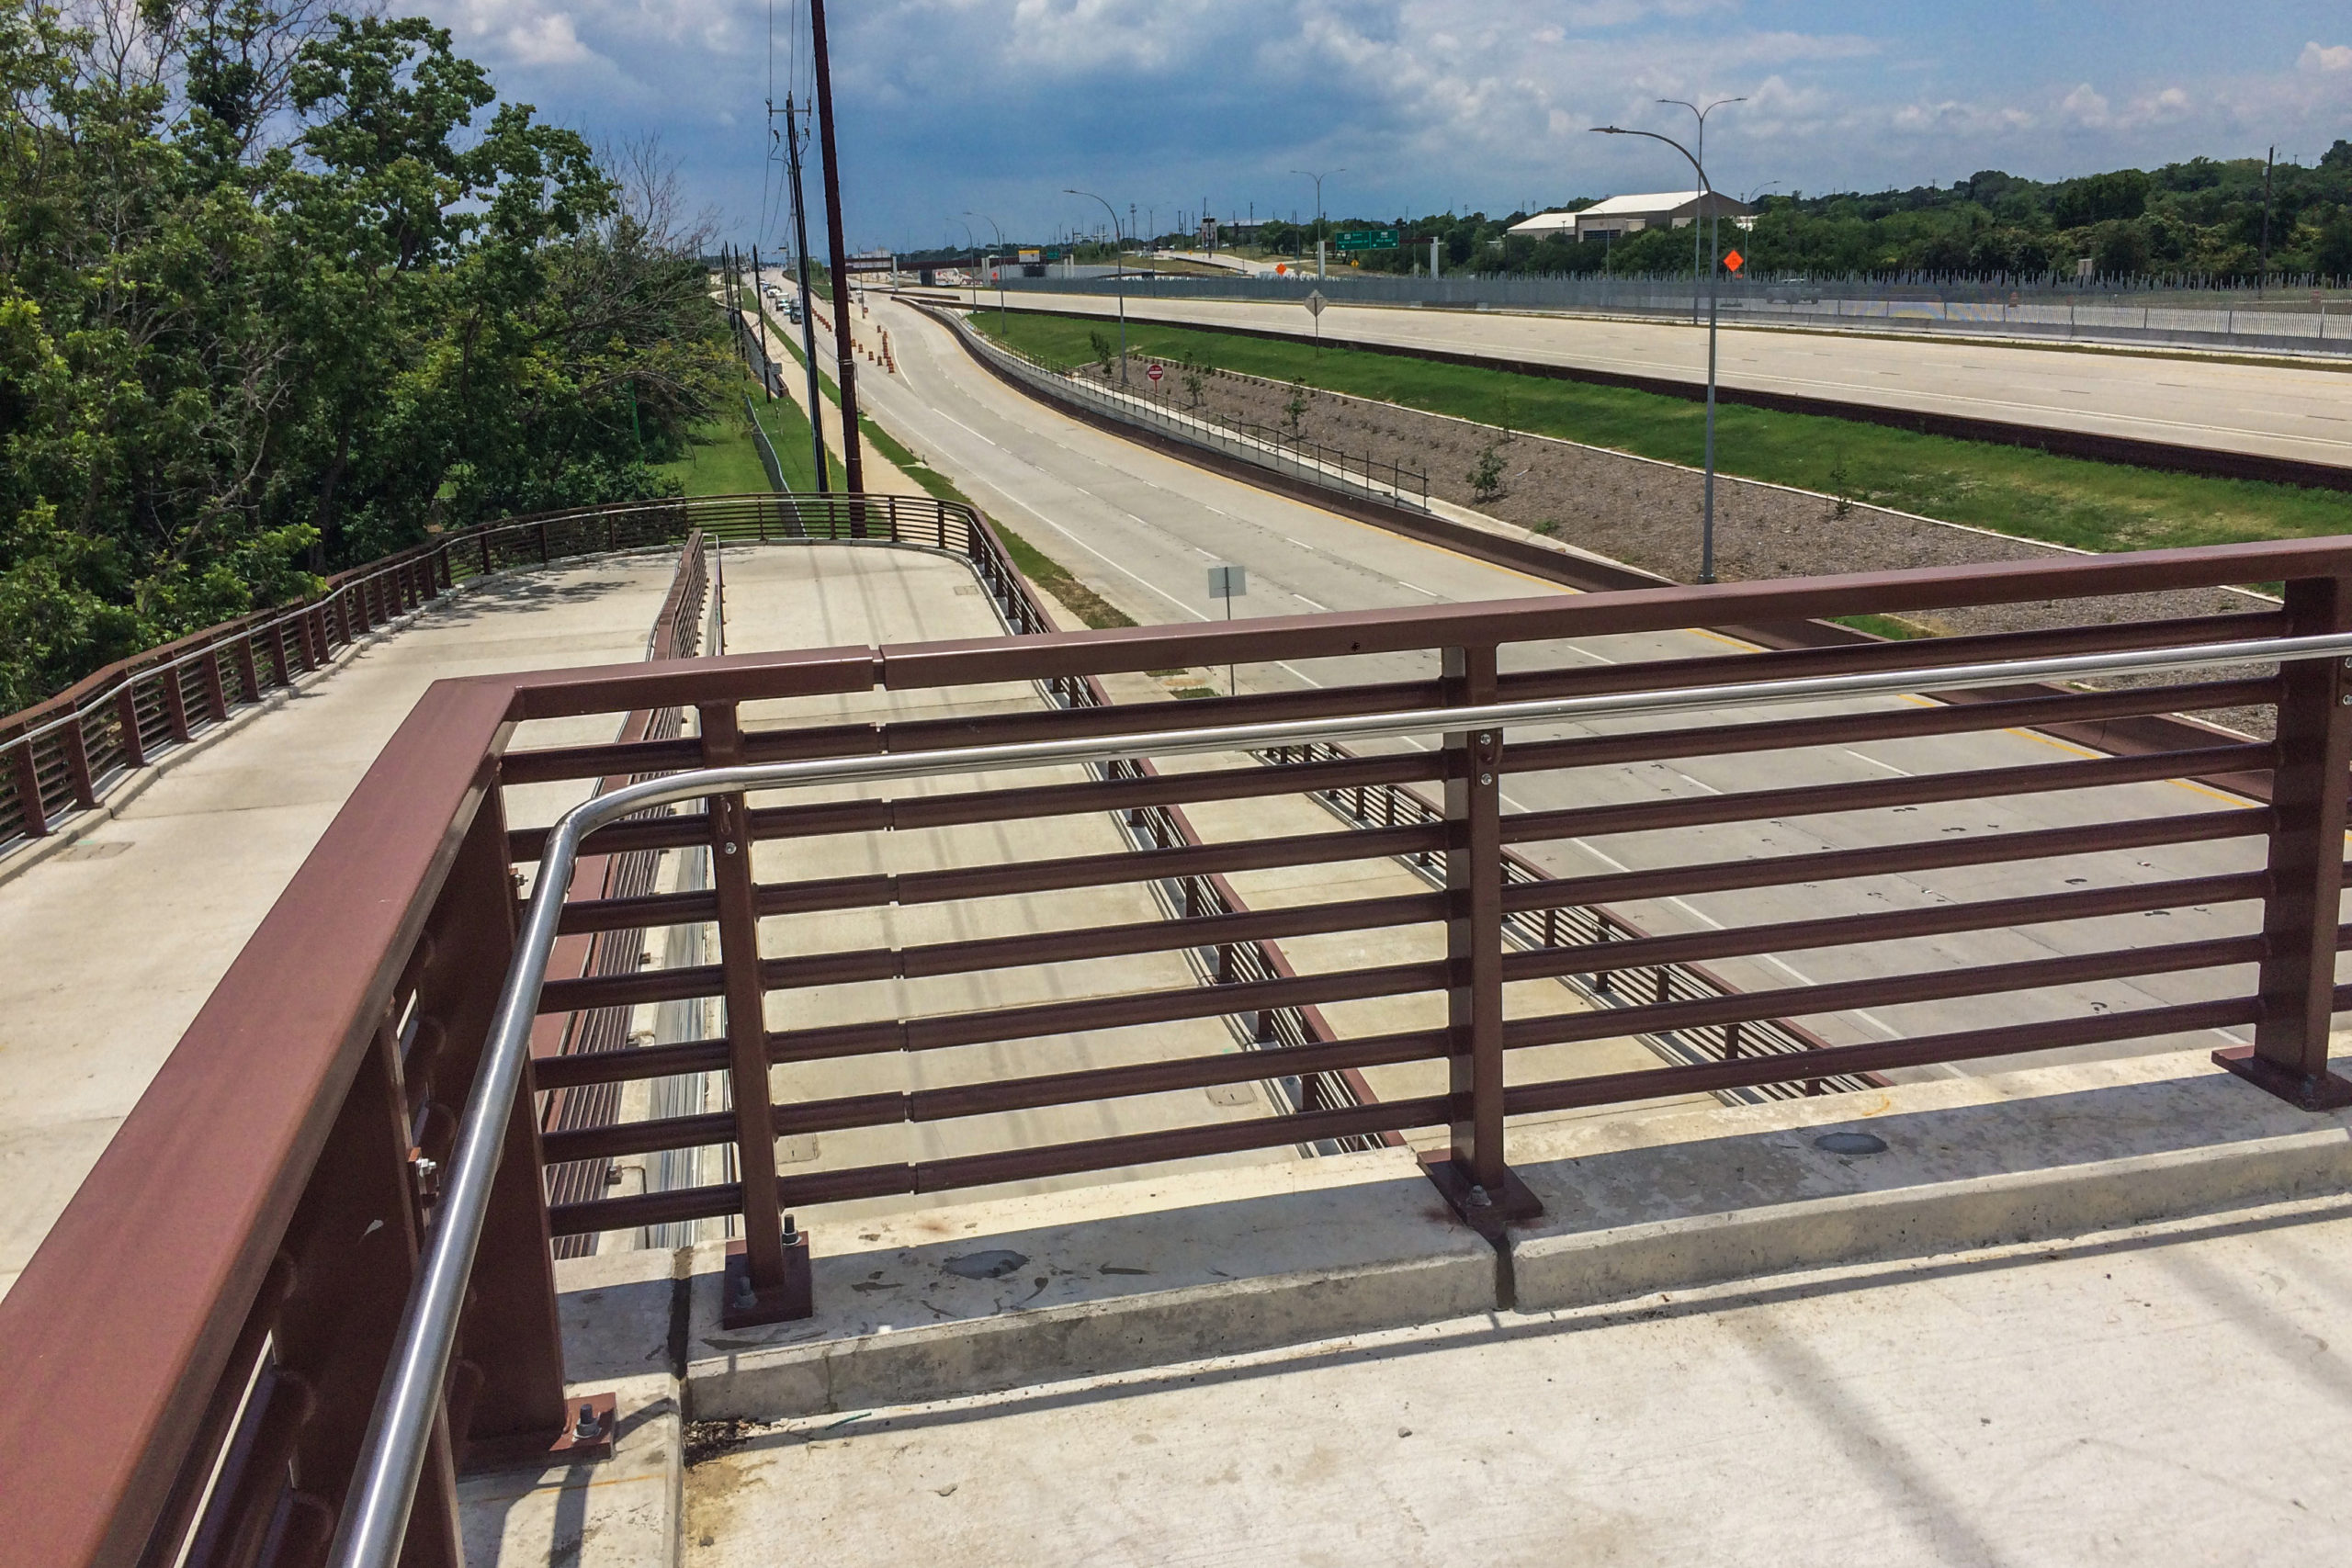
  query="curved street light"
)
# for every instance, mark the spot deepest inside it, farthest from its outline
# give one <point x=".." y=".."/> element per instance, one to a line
<point x="1000" y="266"/>
<point x="1118" y="273"/>
<point x="1703" y="114"/>
<point x="1318" y="179"/>
<point x="1706" y="191"/>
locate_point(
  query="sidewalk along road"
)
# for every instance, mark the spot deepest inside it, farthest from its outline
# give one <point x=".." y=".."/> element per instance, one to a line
<point x="114" y="942"/>
<point x="1141" y="529"/>
<point x="2274" y="411"/>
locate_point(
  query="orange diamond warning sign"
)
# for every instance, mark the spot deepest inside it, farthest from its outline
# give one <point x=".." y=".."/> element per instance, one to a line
<point x="1734" y="262"/>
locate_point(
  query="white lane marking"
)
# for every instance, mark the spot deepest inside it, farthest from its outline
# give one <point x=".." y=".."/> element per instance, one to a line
<point x="1098" y="555"/>
<point x="1414" y="587"/>
<point x="1873" y="762"/>
<point x="1306" y="601"/>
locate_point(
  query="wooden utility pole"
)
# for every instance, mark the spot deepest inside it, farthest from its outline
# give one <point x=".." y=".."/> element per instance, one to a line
<point x="2262" y="283"/>
<point x="845" y="358"/>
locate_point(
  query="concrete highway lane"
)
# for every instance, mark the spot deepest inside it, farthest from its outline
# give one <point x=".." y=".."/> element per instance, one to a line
<point x="1142" y="528"/>
<point x="2275" y="410"/>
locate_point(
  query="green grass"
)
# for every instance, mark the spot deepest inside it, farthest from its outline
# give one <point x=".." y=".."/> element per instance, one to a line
<point x="2011" y="490"/>
<point x="721" y="459"/>
<point x="1893" y="629"/>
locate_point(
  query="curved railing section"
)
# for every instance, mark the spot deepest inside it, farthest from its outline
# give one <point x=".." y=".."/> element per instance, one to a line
<point x="64" y="755"/>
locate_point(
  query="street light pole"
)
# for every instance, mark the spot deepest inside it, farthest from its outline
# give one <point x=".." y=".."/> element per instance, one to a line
<point x="1000" y="270"/>
<point x="1318" y="179"/>
<point x="1118" y="273"/>
<point x="1703" y="114"/>
<point x="1707" y="515"/>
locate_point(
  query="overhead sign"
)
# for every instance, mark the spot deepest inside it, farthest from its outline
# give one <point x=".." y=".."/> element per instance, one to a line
<point x="1228" y="582"/>
<point x="1033" y="255"/>
<point x="1315" y="302"/>
<point x="1366" y="240"/>
<point x="1734" y="262"/>
<point x="884" y="262"/>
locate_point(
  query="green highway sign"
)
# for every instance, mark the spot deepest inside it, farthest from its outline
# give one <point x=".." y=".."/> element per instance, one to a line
<point x="1366" y="240"/>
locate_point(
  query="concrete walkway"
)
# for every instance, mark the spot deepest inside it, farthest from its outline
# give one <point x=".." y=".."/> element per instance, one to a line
<point x="114" y="940"/>
<point x="2173" y="1394"/>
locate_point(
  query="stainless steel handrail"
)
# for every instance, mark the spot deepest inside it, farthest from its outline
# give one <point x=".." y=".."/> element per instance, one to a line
<point x="374" y="1521"/>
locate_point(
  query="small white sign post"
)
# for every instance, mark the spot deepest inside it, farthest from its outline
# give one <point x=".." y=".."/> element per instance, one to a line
<point x="1228" y="583"/>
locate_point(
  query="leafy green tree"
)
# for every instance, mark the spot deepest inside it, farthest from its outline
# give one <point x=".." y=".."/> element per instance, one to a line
<point x="282" y="289"/>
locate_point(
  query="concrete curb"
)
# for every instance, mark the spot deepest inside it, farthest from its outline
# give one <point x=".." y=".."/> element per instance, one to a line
<point x="1734" y="1194"/>
<point x="977" y="1297"/>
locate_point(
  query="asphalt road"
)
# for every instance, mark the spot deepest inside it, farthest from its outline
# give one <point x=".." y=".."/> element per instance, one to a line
<point x="1142" y="529"/>
<point x="2277" y="410"/>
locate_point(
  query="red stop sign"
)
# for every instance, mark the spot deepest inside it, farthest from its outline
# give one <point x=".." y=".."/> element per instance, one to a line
<point x="1155" y="372"/>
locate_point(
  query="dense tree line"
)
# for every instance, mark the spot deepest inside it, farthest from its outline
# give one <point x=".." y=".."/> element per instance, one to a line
<point x="282" y="289"/>
<point x="2197" y="221"/>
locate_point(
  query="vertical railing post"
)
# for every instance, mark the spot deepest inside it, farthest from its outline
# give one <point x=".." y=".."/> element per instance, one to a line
<point x="126" y="708"/>
<point x="1474" y="1177"/>
<point x="28" y="806"/>
<point x="77" y="763"/>
<point x="174" y="702"/>
<point x="767" y="1281"/>
<point x="2288" y="1056"/>
<point x="216" y="693"/>
<point x="508" y="1373"/>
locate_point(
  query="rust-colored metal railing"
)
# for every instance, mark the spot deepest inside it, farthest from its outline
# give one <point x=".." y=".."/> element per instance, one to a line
<point x="268" y="1173"/>
<point x="64" y="754"/>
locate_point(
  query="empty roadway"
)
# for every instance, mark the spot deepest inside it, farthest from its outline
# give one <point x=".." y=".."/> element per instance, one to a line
<point x="2277" y="410"/>
<point x="1142" y="528"/>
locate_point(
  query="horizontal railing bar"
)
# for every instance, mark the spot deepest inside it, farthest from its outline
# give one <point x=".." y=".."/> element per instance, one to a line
<point x="1100" y="941"/>
<point x="1096" y="871"/>
<point x="625" y="1066"/>
<point x="1855" y="930"/>
<point x="676" y="1206"/>
<point x="1839" y="865"/>
<point x="1183" y="1143"/>
<point x="1883" y="990"/>
<point x="1162" y="1078"/>
<point x="906" y="814"/>
<point x="994" y="1098"/>
<point x="1123" y="1011"/>
<point x="1751" y="1072"/>
<point x="1900" y="724"/>
<point x="630" y="989"/>
<point x="1913" y="654"/>
<point x="1871" y="795"/>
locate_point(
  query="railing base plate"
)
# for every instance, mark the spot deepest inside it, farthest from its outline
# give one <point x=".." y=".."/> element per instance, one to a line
<point x="744" y="1307"/>
<point x="2318" y="1092"/>
<point x="526" y="1450"/>
<point x="1512" y="1205"/>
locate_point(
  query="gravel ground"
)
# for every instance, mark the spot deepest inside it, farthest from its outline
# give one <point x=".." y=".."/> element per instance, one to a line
<point x="1646" y="514"/>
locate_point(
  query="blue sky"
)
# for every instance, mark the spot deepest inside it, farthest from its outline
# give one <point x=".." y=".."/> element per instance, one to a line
<point x="996" y="105"/>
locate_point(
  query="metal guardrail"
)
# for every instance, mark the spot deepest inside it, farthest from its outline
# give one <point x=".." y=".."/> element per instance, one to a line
<point x="66" y="753"/>
<point x="766" y="448"/>
<point x="1260" y="446"/>
<point x="375" y="1526"/>
<point x="2194" y="317"/>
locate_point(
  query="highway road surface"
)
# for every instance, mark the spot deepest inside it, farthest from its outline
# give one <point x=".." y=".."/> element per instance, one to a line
<point x="1142" y="529"/>
<point x="2273" y="410"/>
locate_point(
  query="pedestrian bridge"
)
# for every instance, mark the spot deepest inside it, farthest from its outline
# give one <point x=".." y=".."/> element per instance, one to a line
<point x="924" y="1003"/>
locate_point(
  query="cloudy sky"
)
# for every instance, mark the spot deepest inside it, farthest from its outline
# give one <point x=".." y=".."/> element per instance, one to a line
<point x="996" y="105"/>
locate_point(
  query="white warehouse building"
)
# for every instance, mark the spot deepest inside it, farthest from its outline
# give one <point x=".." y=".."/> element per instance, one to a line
<point x="1632" y="214"/>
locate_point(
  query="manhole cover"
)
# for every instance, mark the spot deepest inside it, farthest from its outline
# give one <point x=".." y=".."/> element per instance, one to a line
<point x="1850" y="1144"/>
<point x="993" y="1265"/>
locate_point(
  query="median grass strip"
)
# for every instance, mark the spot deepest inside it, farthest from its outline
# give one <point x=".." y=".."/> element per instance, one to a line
<point x="2009" y="490"/>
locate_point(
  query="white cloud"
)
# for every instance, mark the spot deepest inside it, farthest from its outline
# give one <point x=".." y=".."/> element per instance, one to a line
<point x="2084" y="106"/>
<point x="2317" y="56"/>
